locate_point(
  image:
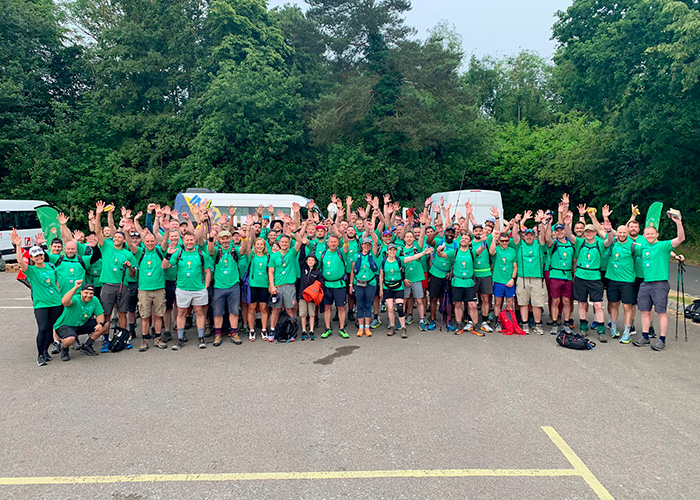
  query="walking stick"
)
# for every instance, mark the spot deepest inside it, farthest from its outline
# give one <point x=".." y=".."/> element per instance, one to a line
<point x="680" y="291"/>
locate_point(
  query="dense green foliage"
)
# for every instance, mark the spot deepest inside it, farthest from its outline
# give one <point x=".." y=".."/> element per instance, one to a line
<point x="136" y="100"/>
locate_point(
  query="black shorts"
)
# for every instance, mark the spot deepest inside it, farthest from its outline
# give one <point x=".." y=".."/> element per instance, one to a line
<point x="436" y="287"/>
<point x="169" y="295"/>
<point x="621" y="291"/>
<point x="392" y="294"/>
<point x="464" y="294"/>
<point x="583" y="289"/>
<point x="66" y="331"/>
<point x="259" y="294"/>
<point x="484" y="285"/>
<point x="335" y="295"/>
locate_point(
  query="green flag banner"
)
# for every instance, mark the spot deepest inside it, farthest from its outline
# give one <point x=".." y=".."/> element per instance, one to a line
<point x="48" y="218"/>
<point x="654" y="215"/>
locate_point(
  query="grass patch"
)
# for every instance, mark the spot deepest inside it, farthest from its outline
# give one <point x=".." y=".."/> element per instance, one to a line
<point x="691" y="253"/>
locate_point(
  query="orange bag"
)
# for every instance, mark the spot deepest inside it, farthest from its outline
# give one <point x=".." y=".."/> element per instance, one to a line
<point x="313" y="293"/>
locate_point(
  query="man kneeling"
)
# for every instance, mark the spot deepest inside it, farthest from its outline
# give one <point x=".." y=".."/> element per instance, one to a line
<point x="82" y="315"/>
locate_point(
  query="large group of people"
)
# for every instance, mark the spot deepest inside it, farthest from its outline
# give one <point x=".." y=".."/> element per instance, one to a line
<point x="234" y="277"/>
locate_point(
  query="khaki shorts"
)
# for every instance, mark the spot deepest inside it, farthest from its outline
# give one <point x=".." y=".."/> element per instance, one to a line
<point x="307" y="309"/>
<point x="531" y="291"/>
<point x="152" y="299"/>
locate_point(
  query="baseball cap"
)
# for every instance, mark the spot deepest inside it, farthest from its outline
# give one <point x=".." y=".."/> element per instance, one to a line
<point x="450" y="228"/>
<point x="387" y="232"/>
<point x="224" y="233"/>
<point x="88" y="286"/>
<point x="392" y="246"/>
<point x="589" y="227"/>
<point x="490" y="220"/>
<point x="35" y="251"/>
<point x="321" y="226"/>
<point x="528" y="230"/>
<point x="366" y="240"/>
<point x="559" y="226"/>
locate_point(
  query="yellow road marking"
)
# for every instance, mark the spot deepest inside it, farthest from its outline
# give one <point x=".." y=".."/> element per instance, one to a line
<point x="262" y="476"/>
<point x="578" y="464"/>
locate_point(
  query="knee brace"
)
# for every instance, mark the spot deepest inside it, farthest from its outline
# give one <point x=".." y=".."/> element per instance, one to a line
<point x="399" y="309"/>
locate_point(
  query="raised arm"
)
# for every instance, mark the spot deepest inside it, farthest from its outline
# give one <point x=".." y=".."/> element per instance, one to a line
<point x="492" y="246"/>
<point x="426" y="251"/>
<point x="680" y="231"/>
<point x="99" y="234"/>
<point x="19" y="252"/>
<point x="67" y="299"/>
<point x="66" y="235"/>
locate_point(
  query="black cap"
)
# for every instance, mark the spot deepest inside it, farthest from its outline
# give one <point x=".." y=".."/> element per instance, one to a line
<point x="88" y="286"/>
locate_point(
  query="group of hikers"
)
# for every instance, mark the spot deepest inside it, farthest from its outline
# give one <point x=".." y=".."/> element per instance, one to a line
<point x="178" y="270"/>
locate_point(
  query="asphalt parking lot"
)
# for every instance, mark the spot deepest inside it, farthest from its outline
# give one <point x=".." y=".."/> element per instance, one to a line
<point x="435" y="416"/>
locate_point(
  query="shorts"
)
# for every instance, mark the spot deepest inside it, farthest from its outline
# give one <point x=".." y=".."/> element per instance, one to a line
<point x="501" y="290"/>
<point x="393" y="294"/>
<point x="484" y="285"/>
<point x="653" y="293"/>
<point x="464" y="294"/>
<point x="307" y="309"/>
<point x="531" y="291"/>
<point x="259" y="294"/>
<point x="66" y="331"/>
<point x="436" y="287"/>
<point x="110" y="297"/>
<point x="169" y="295"/>
<point x="416" y="289"/>
<point x="154" y="299"/>
<point x="621" y="291"/>
<point x="559" y="288"/>
<point x="226" y="296"/>
<point x="287" y="295"/>
<point x="588" y="288"/>
<point x="133" y="296"/>
<point x="185" y="298"/>
<point x="334" y="295"/>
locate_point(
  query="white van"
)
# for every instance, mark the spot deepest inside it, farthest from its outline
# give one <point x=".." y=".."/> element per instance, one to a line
<point x="245" y="203"/>
<point x="20" y="214"/>
<point x="482" y="201"/>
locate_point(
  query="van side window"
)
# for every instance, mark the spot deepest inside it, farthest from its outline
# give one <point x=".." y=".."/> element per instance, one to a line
<point x="27" y="220"/>
<point x="8" y="220"/>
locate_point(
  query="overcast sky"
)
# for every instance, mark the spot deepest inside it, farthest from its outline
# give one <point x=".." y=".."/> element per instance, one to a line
<point x="495" y="27"/>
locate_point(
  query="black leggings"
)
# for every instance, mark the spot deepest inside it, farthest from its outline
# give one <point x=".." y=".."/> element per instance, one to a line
<point x="46" y="317"/>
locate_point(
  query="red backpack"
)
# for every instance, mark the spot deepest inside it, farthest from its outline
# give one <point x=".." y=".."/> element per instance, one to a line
<point x="509" y="323"/>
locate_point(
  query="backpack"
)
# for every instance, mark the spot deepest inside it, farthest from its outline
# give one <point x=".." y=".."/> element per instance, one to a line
<point x="119" y="340"/>
<point x="220" y="254"/>
<point x="600" y="254"/>
<point x="80" y="261"/>
<point x="342" y="259"/>
<point x="568" y="338"/>
<point x="692" y="311"/>
<point x="143" y="255"/>
<point x="201" y="258"/>
<point x="509" y="323"/>
<point x="370" y="260"/>
<point x="286" y="329"/>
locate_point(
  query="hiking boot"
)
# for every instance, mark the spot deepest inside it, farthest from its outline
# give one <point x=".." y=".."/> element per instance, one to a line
<point x="87" y="349"/>
<point x="144" y="345"/>
<point x="602" y="338"/>
<point x="474" y="331"/>
<point x="626" y="338"/>
<point x="303" y="335"/>
<point x="422" y="326"/>
<point x="555" y="328"/>
<point x="431" y="325"/>
<point x="236" y="339"/>
<point x="312" y="335"/>
<point x="404" y="334"/>
<point x="641" y="341"/>
<point x="55" y="347"/>
<point x="41" y="360"/>
<point x="459" y="329"/>
<point x="180" y="344"/>
<point x="409" y="319"/>
<point x="158" y="342"/>
<point x="202" y="344"/>
<point x="660" y="345"/>
<point x="392" y="331"/>
<point x="65" y="356"/>
<point x="343" y="333"/>
<point x="217" y="341"/>
<point x="167" y="337"/>
<point x="327" y="334"/>
<point x="375" y="323"/>
<point x="485" y="327"/>
<point x="538" y="329"/>
<point x="583" y="326"/>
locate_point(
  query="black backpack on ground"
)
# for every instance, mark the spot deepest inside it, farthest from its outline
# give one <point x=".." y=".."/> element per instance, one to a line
<point x="568" y="338"/>
<point x="286" y="329"/>
<point x="119" y="340"/>
<point x="692" y="311"/>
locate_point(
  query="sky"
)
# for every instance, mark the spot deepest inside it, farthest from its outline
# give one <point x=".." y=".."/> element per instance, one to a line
<point x="492" y="27"/>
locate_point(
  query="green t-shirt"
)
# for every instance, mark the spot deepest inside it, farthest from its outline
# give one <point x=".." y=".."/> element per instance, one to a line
<point x="482" y="262"/>
<point x="655" y="260"/>
<point x="561" y="260"/>
<point x="69" y="270"/>
<point x="638" y="264"/>
<point x="366" y="273"/>
<point x="462" y="268"/>
<point x="333" y="268"/>
<point x="503" y="262"/>
<point x="44" y="281"/>
<point x="530" y="259"/>
<point x="283" y="265"/>
<point x="414" y="269"/>
<point x="621" y="261"/>
<point x="392" y="272"/>
<point x="442" y="265"/>
<point x="112" y="261"/>
<point x="79" y="312"/>
<point x="151" y="275"/>
<point x="190" y="272"/>
<point x="93" y="273"/>
<point x="589" y="259"/>
<point x="242" y="261"/>
<point x="258" y="271"/>
<point x="226" y="270"/>
<point x="352" y="252"/>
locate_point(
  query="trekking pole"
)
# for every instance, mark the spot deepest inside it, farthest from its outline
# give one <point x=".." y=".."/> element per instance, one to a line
<point x="678" y="291"/>
<point x="119" y="295"/>
<point x="681" y="274"/>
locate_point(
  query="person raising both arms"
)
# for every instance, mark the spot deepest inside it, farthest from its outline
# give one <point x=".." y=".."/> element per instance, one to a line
<point x="505" y="272"/>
